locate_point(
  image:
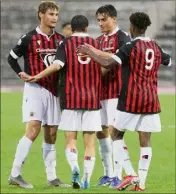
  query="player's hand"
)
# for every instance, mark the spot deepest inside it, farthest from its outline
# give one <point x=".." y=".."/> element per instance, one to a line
<point x="88" y="45"/>
<point x="92" y="48"/>
<point x="24" y="76"/>
<point x="83" y="55"/>
<point x="32" y="79"/>
<point x="82" y="50"/>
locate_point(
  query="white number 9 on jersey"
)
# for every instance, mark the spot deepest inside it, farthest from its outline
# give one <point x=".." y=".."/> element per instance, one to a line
<point x="84" y="60"/>
<point x="149" y="58"/>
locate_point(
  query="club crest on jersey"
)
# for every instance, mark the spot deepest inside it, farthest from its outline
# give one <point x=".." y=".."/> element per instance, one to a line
<point x="47" y="58"/>
<point x="39" y="41"/>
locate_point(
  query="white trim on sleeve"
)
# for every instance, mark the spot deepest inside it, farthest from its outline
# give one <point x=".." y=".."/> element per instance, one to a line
<point x="58" y="62"/>
<point x="13" y="55"/>
<point x="115" y="57"/>
<point x="170" y="62"/>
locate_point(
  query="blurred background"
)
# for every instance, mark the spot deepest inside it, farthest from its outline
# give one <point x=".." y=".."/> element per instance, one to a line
<point x="20" y="16"/>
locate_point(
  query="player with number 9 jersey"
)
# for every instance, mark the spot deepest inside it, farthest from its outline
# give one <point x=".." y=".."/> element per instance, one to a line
<point x="138" y="106"/>
<point x="142" y="58"/>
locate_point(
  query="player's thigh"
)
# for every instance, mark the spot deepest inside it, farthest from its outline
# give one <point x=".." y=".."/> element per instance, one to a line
<point x="149" y="123"/>
<point x="126" y="121"/>
<point x="91" y="121"/>
<point x="32" y="107"/>
<point x="70" y="120"/>
<point x="52" y="109"/>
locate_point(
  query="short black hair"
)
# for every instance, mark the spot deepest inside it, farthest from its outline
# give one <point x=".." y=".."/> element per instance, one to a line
<point x="65" y="24"/>
<point x="108" y="9"/>
<point x="140" y="20"/>
<point x="79" y="23"/>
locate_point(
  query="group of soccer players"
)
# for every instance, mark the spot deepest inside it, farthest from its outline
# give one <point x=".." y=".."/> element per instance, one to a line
<point x="100" y="86"/>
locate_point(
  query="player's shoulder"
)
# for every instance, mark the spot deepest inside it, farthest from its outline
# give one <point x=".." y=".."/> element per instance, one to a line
<point x="122" y="34"/>
<point x="25" y="38"/>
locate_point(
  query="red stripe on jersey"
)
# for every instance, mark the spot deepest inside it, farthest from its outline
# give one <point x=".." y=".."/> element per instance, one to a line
<point x="83" y="91"/>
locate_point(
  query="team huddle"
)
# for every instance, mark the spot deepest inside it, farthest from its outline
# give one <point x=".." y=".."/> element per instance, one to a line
<point x="101" y="86"/>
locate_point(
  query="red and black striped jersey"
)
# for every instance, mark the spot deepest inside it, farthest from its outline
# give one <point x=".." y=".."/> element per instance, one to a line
<point x="81" y="77"/>
<point x="112" y="81"/>
<point x="38" y="51"/>
<point x="141" y="59"/>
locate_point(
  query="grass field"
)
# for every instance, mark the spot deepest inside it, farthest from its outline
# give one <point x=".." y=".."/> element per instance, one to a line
<point x="161" y="177"/>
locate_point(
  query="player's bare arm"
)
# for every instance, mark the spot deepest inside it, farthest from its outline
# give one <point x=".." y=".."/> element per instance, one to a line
<point x="48" y="71"/>
<point x="97" y="51"/>
<point x="104" y="62"/>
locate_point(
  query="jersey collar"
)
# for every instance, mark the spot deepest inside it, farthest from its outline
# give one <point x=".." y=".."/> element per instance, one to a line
<point x="113" y="32"/>
<point x="42" y="33"/>
<point x="80" y="34"/>
<point x="143" y="38"/>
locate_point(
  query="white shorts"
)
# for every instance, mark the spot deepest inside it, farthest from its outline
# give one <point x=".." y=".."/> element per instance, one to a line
<point x="40" y="104"/>
<point x="108" y="111"/>
<point x="138" y="122"/>
<point x="79" y="120"/>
